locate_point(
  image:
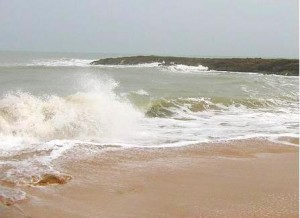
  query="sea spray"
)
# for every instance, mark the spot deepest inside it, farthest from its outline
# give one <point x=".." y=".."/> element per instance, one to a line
<point x="94" y="114"/>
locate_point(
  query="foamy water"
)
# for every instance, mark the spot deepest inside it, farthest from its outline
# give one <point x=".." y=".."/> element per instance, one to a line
<point x="52" y="106"/>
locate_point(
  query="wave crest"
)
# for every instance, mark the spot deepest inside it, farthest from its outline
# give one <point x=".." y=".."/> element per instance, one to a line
<point x="84" y="116"/>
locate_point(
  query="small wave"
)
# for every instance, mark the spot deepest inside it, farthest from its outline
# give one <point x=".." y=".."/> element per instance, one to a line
<point x="168" y="107"/>
<point x="67" y="62"/>
<point x="142" y="92"/>
<point x="61" y="63"/>
<point x="185" y="68"/>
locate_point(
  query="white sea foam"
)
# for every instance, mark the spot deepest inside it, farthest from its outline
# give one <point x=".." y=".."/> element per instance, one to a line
<point x="10" y="196"/>
<point x="142" y="92"/>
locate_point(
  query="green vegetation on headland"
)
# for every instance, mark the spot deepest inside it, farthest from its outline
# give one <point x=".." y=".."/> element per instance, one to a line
<point x="289" y="67"/>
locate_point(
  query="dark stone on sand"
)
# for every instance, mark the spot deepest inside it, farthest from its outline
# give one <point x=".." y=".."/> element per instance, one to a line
<point x="50" y="179"/>
<point x="288" y="67"/>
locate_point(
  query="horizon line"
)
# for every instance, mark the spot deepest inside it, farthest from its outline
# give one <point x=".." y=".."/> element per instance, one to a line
<point x="151" y="54"/>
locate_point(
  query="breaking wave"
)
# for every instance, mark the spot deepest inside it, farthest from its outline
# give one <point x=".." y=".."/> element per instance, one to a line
<point x="98" y="115"/>
<point x="102" y="116"/>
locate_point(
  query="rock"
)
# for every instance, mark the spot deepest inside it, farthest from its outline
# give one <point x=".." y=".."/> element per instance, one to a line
<point x="50" y="179"/>
<point x="289" y="67"/>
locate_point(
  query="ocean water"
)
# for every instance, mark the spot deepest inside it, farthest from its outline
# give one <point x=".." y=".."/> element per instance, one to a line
<point x="51" y="103"/>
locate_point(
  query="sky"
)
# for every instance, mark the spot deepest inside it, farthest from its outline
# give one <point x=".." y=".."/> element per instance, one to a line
<point x="204" y="28"/>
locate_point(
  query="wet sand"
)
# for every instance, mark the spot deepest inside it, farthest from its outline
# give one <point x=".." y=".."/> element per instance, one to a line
<point x="246" y="178"/>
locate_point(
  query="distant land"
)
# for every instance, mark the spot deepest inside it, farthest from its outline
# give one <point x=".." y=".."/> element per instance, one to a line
<point x="288" y="67"/>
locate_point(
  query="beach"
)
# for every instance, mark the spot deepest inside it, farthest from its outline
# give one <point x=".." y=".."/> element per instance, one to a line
<point x="149" y="109"/>
<point x="146" y="139"/>
<point x="243" y="178"/>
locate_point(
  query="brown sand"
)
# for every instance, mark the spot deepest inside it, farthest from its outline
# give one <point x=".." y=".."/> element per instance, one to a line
<point x="249" y="178"/>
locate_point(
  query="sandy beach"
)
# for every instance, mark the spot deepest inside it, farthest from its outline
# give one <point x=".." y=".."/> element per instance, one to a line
<point x="245" y="178"/>
<point x="149" y="109"/>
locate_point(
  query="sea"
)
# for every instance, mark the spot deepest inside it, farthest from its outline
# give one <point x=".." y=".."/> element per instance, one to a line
<point x="52" y="103"/>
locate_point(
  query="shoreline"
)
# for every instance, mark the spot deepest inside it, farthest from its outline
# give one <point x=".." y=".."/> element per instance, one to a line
<point x="287" y="67"/>
<point x="241" y="178"/>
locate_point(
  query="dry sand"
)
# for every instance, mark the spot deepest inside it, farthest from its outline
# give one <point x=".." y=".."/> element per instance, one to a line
<point x="246" y="178"/>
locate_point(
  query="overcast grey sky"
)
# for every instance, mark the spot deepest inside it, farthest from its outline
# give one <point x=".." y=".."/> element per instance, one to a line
<point x="253" y="28"/>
